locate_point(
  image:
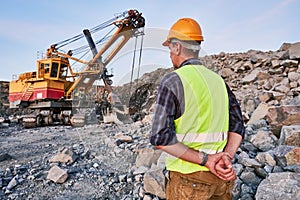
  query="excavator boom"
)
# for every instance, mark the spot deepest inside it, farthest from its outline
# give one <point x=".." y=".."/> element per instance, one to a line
<point x="127" y="28"/>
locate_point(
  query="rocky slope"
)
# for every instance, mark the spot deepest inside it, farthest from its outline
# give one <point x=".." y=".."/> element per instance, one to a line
<point x="4" y="85"/>
<point x="110" y="161"/>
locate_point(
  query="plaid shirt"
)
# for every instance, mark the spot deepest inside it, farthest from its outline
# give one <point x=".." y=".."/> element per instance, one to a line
<point x="170" y="106"/>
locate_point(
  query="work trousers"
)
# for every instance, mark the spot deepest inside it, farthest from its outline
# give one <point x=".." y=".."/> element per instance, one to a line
<point x="197" y="185"/>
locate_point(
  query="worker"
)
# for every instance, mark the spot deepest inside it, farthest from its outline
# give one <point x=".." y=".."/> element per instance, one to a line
<point x="197" y="121"/>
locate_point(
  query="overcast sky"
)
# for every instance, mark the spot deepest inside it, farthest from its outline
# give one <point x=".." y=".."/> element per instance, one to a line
<point x="28" y="26"/>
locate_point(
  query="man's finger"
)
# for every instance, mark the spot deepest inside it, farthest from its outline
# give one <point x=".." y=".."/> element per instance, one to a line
<point x="227" y="161"/>
<point x="223" y="170"/>
<point x="228" y="177"/>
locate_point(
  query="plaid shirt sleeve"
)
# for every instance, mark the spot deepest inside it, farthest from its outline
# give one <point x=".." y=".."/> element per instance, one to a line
<point x="165" y="112"/>
<point x="236" y="123"/>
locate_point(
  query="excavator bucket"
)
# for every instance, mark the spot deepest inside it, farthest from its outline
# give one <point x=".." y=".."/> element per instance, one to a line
<point x="118" y="115"/>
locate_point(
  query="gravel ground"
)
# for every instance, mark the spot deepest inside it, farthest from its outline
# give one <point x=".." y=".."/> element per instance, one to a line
<point x="103" y="170"/>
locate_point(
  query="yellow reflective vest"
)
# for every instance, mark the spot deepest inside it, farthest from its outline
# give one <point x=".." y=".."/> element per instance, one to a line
<point x="204" y="124"/>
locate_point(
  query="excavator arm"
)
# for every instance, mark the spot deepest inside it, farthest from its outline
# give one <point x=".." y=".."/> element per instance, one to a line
<point x="127" y="28"/>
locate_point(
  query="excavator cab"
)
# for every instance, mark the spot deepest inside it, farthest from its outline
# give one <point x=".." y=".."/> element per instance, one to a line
<point x="53" y="68"/>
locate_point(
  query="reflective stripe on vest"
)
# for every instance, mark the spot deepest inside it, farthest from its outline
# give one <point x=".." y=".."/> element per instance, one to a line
<point x="204" y="123"/>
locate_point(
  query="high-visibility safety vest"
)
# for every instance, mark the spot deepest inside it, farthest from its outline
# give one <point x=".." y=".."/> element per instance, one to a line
<point x="204" y="124"/>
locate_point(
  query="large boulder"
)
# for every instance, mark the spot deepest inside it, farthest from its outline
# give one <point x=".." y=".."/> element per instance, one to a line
<point x="155" y="181"/>
<point x="290" y="135"/>
<point x="279" y="116"/>
<point x="285" y="185"/>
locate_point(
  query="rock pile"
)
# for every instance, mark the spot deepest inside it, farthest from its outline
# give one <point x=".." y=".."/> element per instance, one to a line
<point x="117" y="162"/>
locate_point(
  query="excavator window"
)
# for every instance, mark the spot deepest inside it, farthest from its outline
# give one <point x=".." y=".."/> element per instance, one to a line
<point x="47" y="68"/>
<point x="54" y="70"/>
<point x="41" y="70"/>
<point x="63" y="71"/>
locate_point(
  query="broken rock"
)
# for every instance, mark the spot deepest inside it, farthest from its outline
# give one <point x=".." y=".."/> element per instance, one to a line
<point x="259" y="113"/>
<point x="285" y="185"/>
<point x="154" y="182"/>
<point x="64" y="155"/>
<point x="251" y="77"/>
<point x="146" y="157"/>
<point x="290" y="135"/>
<point x="13" y="183"/>
<point x="294" y="51"/>
<point x="279" y="116"/>
<point x="123" y="138"/>
<point x="264" y="140"/>
<point x="293" y="157"/>
<point x="57" y="175"/>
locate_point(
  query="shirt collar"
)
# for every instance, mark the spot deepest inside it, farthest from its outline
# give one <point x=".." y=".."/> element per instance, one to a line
<point x="191" y="61"/>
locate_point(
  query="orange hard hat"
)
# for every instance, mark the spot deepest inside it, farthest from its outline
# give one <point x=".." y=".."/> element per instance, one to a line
<point x="186" y="29"/>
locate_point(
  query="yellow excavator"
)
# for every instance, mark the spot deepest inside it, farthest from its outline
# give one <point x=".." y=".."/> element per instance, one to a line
<point x="56" y="94"/>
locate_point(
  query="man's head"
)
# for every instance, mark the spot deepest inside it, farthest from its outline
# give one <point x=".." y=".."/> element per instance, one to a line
<point x="184" y="39"/>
